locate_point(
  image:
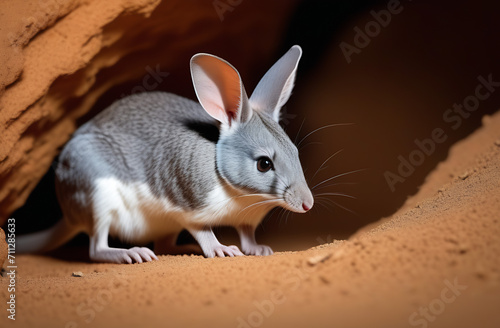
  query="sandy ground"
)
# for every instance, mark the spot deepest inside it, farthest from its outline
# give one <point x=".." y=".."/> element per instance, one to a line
<point x="435" y="263"/>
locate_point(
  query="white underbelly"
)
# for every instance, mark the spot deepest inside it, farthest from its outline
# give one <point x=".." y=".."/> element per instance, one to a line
<point x="135" y="214"/>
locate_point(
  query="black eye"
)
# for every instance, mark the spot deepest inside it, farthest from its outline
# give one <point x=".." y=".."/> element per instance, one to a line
<point x="264" y="164"/>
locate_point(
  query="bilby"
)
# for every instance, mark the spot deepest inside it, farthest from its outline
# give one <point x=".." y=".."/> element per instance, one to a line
<point x="154" y="164"/>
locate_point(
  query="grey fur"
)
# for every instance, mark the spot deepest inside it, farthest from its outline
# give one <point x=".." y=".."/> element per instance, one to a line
<point x="152" y="137"/>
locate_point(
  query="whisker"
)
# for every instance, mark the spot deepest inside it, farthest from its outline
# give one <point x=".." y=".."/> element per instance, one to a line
<point x="321" y="128"/>
<point x="245" y="195"/>
<point x="247" y="213"/>
<point x="325" y="163"/>
<point x="287" y="215"/>
<point x="271" y="213"/>
<point x="258" y="203"/>
<point x="284" y="213"/>
<point x="335" y="194"/>
<point x="300" y="129"/>
<point x="337" y="176"/>
<point x="330" y="209"/>
<point x="322" y="169"/>
<point x="280" y="216"/>
<point x="342" y="207"/>
<point x="308" y="144"/>
<point x="337" y="183"/>
<point x="324" y="205"/>
<point x="330" y="205"/>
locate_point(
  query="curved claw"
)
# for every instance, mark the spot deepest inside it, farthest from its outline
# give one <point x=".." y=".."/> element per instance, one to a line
<point x="222" y="251"/>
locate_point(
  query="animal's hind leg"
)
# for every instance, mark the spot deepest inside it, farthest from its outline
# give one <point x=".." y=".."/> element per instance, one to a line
<point x="168" y="245"/>
<point x="109" y="207"/>
<point x="101" y="252"/>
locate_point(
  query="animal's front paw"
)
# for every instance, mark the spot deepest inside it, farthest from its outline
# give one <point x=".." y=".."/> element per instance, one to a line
<point x="120" y="255"/>
<point x="222" y="251"/>
<point x="260" y="250"/>
<point x="139" y="255"/>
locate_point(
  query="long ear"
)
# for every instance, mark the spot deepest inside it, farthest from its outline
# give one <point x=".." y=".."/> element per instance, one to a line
<point x="219" y="89"/>
<point x="276" y="86"/>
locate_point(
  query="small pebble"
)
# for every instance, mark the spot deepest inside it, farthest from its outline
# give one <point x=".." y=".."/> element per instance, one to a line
<point x="77" y="274"/>
<point x="464" y="176"/>
<point x="318" y="258"/>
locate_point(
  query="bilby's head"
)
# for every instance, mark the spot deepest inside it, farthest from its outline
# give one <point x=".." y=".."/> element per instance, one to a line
<point x="253" y="152"/>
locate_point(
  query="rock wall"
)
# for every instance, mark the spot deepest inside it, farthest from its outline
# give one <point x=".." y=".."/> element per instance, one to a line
<point x="61" y="58"/>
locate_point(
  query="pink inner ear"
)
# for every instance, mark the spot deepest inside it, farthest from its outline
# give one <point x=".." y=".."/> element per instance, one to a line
<point x="218" y="87"/>
<point x="230" y="88"/>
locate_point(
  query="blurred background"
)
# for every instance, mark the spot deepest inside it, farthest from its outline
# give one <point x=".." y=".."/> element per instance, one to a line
<point x="389" y="69"/>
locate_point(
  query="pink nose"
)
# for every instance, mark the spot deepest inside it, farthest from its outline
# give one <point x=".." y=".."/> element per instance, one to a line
<point x="306" y="207"/>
